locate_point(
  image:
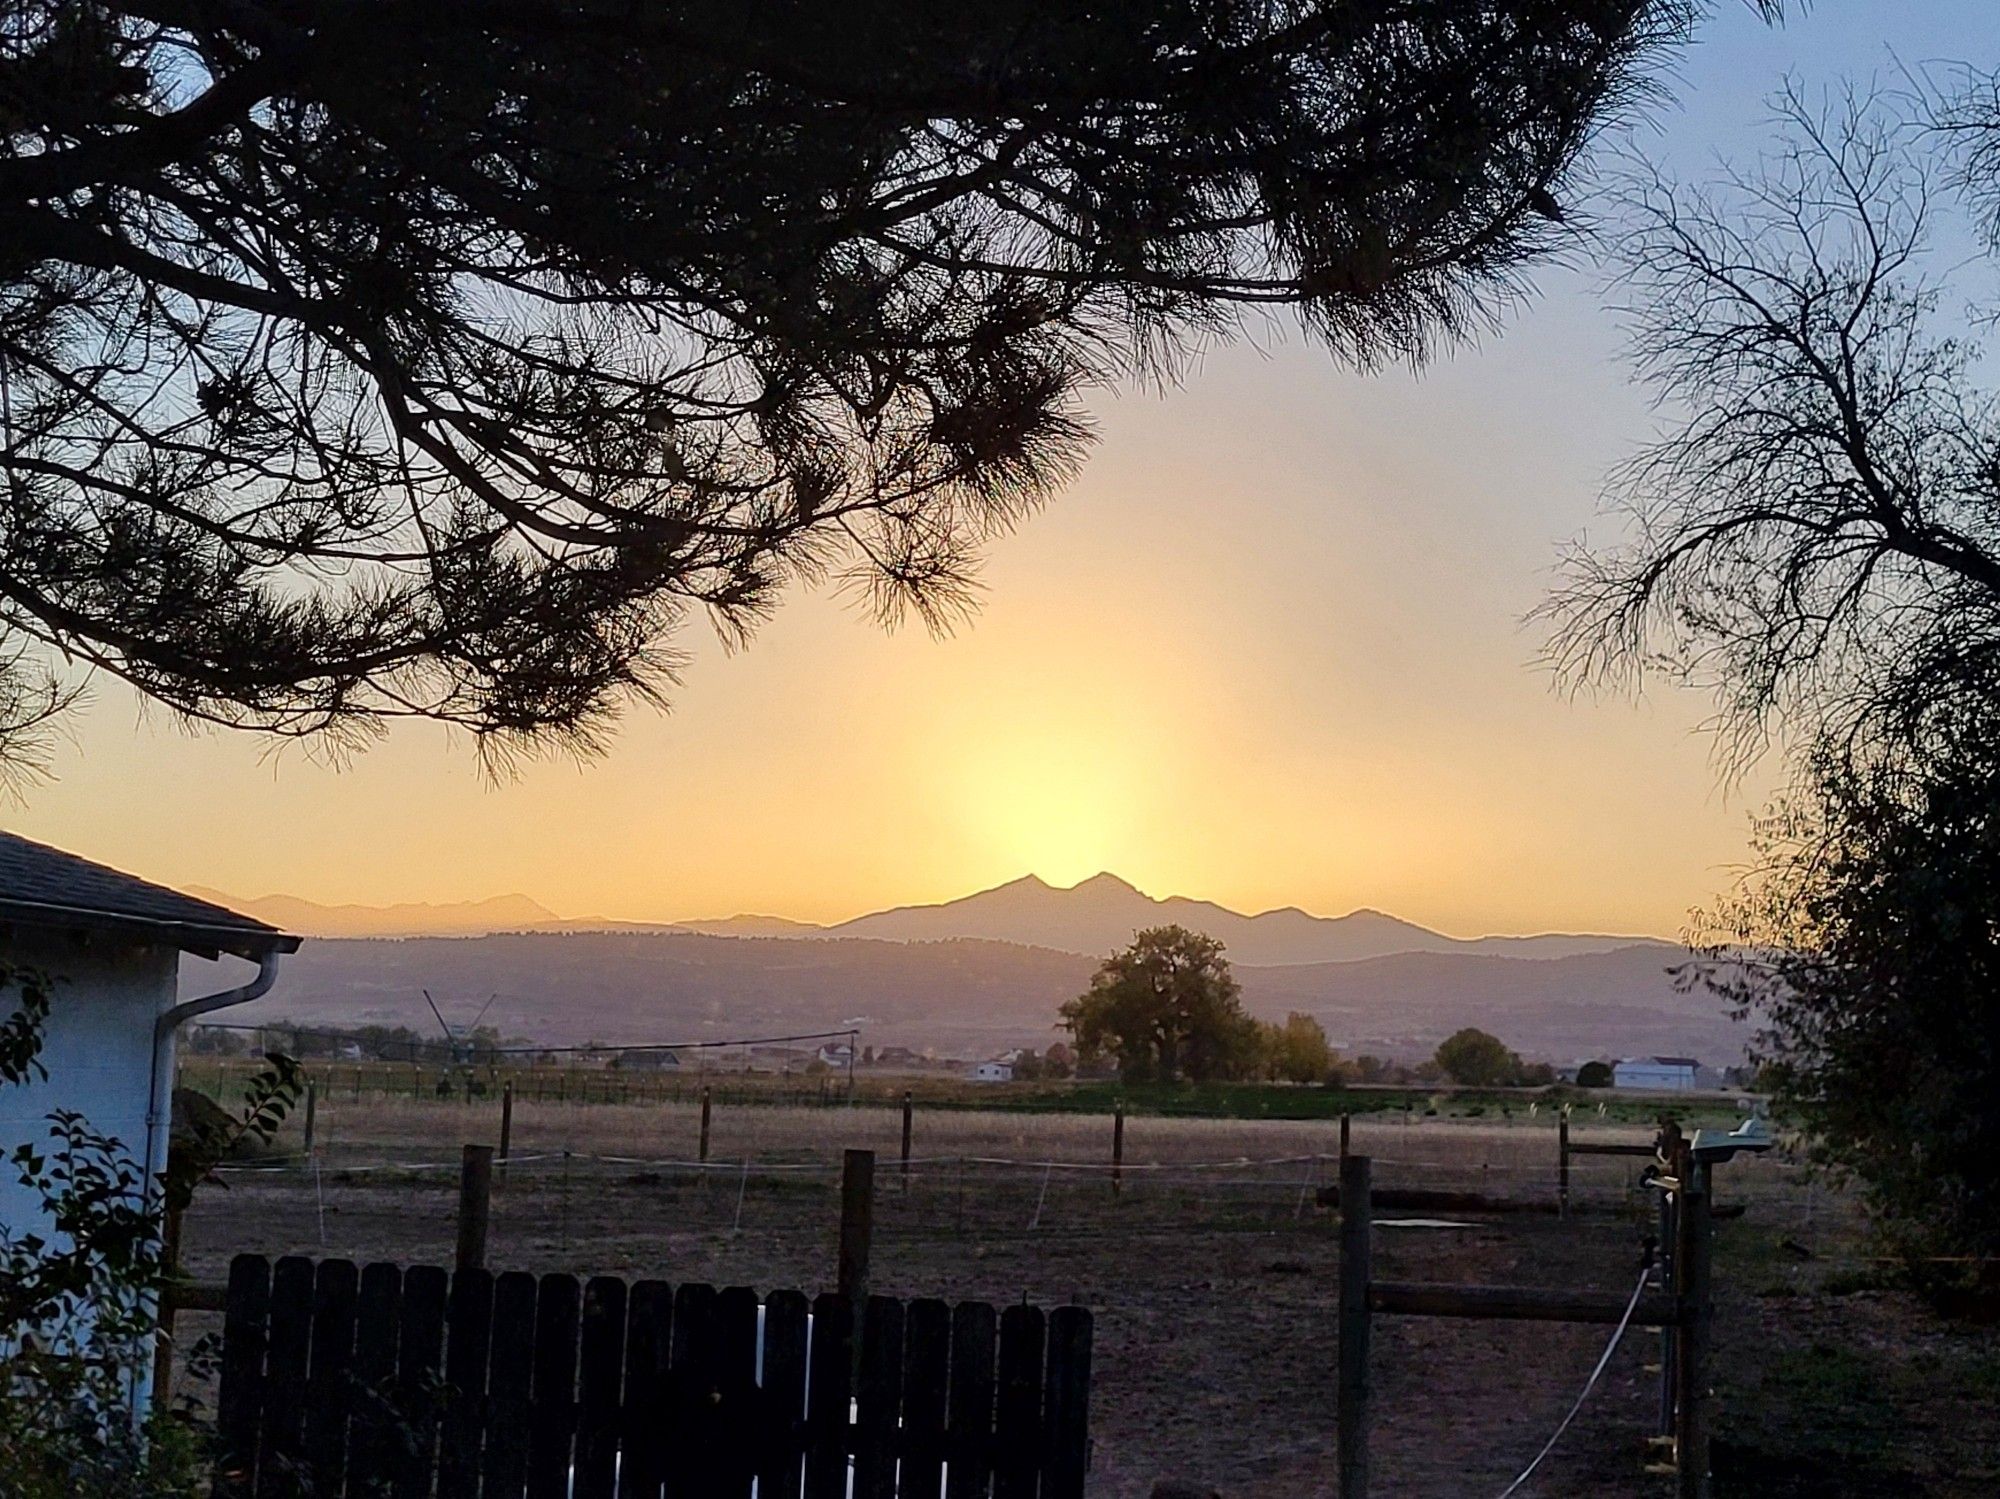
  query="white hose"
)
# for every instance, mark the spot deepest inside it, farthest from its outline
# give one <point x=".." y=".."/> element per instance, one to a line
<point x="1590" y="1384"/>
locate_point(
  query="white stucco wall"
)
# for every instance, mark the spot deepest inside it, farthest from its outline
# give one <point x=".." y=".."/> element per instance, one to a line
<point x="97" y="1047"/>
<point x="97" y="1050"/>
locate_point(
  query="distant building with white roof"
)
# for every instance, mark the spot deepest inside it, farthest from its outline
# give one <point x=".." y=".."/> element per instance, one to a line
<point x="1656" y="1074"/>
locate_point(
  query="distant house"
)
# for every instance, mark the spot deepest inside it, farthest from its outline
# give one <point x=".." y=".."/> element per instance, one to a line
<point x="110" y="946"/>
<point x="1659" y="1074"/>
<point x="992" y="1072"/>
<point x="646" y="1059"/>
<point x="838" y="1055"/>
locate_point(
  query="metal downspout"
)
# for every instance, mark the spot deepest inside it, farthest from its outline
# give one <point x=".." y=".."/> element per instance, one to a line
<point x="159" y="1114"/>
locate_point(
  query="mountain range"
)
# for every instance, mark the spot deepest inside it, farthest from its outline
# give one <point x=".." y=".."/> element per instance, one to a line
<point x="306" y="918"/>
<point x="1103" y="912"/>
<point x="972" y="976"/>
<point x="1092" y="917"/>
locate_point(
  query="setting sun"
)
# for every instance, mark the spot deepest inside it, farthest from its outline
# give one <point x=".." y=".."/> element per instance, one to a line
<point x="1048" y="809"/>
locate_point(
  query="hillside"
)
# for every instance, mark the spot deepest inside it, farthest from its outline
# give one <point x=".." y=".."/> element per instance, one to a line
<point x="1619" y="1002"/>
<point x="968" y="996"/>
<point x="1093" y="917"/>
<point x="1103" y="912"/>
<point x="306" y="918"/>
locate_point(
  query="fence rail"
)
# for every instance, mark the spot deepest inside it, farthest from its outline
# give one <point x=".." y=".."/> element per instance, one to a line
<point x="383" y="1381"/>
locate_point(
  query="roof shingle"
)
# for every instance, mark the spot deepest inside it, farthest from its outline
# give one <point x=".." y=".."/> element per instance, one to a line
<point x="45" y="886"/>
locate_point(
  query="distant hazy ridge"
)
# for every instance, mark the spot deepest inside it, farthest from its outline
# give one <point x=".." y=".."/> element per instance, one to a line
<point x="973" y="975"/>
<point x="1092" y="918"/>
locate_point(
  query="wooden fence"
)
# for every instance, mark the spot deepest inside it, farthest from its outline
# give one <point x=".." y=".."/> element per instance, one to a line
<point x="408" y="1383"/>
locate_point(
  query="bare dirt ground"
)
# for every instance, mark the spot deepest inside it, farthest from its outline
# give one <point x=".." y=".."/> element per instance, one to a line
<point x="1214" y="1284"/>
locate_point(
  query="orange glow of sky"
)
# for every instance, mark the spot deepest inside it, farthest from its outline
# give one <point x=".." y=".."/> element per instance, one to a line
<point x="1266" y="651"/>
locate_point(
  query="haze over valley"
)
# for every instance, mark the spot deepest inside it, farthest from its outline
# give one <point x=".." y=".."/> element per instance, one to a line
<point x="977" y="974"/>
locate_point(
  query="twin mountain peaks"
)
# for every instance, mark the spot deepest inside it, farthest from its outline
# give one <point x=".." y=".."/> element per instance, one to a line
<point x="1092" y="917"/>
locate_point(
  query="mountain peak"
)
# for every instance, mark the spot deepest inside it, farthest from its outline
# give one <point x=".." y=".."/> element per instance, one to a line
<point x="1024" y="882"/>
<point x="1105" y="882"/>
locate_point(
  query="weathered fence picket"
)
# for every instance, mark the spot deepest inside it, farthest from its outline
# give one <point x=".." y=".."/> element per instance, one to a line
<point x="468" y="1339"/>
<point x="969" y="1428"/>
<point x="412" y="1416"/>
<point x="384" y="1383"/>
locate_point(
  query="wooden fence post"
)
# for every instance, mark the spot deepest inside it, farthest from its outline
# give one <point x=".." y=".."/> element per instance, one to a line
<point x="1562" y="1166"/>
<point x="706" y="1103"/>
<point x="1345" y="1122"/>
<point x="475" y="1189"/>
<point x="1118" y="1151"/>
<point x="1351" y="1415"/>
<point x="857" y="1223"/>
<point x="1697" y="1243"/>
<point x="908" y="1106"/>
<point x="312" y="1116"/>
<point x="506" y="1124"/>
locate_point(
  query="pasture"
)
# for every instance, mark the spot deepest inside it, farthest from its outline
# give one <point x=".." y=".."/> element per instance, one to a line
<point x="1213" y="1274"/>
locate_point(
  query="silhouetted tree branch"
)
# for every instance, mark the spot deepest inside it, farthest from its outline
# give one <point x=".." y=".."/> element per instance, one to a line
<point x="1816" y="538"/>
<point x="373" y="358"/>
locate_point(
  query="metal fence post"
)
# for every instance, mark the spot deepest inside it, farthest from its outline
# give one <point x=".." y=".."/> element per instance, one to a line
<point x="1562" y="1166"/>
<point x="1691" y="1445"/>
<point x="506" y="1124"/>
<point x="1356" y="1225"/>
<point x="1118" y="1151"/>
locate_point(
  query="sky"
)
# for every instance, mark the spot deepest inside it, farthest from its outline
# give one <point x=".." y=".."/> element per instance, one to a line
<point x="1268" y="650"/>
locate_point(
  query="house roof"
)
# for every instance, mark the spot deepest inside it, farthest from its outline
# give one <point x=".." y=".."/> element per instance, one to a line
<point x="1659" y="1062"/>
<point x="43" y="886"/>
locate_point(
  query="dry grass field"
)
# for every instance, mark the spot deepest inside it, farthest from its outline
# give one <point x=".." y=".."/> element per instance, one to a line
<point x="1213" y="1275"/>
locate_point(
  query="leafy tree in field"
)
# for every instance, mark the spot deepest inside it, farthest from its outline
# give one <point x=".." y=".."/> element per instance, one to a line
<point x="1876" y="912"/>
<point x="1297" y="1051"/>
<point x="373" y="360"/>
<point x="1055" y="1063"/>
<point x="1371" y="1069"/>
<point x="1474" y="1059"/>
<point x="1594" y="1075"/>
<point x="1166" y="1007"/>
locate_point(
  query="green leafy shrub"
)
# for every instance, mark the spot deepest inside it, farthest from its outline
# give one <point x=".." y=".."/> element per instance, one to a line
<point x="80" y="1289"/>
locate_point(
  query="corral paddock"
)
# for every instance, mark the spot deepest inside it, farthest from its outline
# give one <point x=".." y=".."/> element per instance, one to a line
<point x="1214" y="1278"/>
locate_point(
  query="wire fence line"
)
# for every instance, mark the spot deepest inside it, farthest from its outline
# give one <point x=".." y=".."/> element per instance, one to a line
<point x="637" y="1194"/>
<point x="1510" y="1177"/>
